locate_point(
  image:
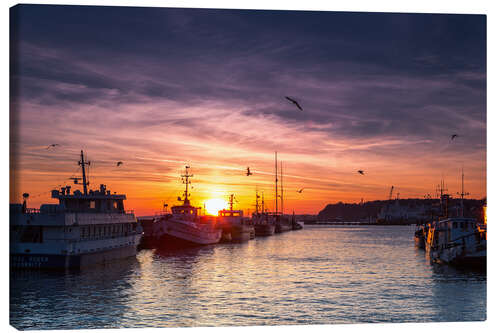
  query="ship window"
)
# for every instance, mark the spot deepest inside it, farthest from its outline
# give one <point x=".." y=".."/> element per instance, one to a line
<point x="92" y="204"/>
<point x="454" y="224"/>
<point x="115" y="205"/>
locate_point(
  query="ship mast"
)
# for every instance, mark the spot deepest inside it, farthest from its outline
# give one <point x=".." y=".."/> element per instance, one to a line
<point x="185" y="179"/>
<point x="263" y="207"/>
<point x="84" y="177"/>
<point x="257" y="201"/>
<point x="231" y="198"/>
<point x="282" y="209"/>
<point x="276" y="182"/>
<point x="462" y="194"/>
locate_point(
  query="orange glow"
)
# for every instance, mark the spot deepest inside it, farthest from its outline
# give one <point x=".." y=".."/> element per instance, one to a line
<point x="212" y="206"/>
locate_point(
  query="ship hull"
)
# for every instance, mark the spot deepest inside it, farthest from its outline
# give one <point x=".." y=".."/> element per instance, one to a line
<point x="182" y="234"/>
<point x="62" y="262"/>
<point x="264" y="229"/>
<point x="283" y="227"/>
<point x="238" y="233"/>
<point x="169" y="241"/>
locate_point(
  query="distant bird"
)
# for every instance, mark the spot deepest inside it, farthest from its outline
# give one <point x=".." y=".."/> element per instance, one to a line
<point x="454" y="136"/>
<point x="52" y="145"/>
<point x="300" y="191"/>
<point x="361" y="172"/>
<point x="294" y="102"/>
<point x="119" y="163"/>
<point x="248" y="172"/>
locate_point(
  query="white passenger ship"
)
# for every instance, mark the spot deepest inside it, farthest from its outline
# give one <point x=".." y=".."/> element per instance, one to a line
<point x="83" y="229"/>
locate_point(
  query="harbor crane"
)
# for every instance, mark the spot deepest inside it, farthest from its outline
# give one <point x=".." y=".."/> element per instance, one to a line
<point x="390" y="192"/>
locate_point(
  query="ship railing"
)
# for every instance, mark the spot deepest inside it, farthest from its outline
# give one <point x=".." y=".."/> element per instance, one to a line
<point x="460" y="241"/>
<point x="130" y="211"/>
<point x="32" y="210"/>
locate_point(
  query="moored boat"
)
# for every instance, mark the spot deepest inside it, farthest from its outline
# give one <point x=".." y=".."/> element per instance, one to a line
<point x="83" y="229"/>
<point x="185" y="226"/>
<point x="457" y="241"/>
<point x="235" y="227"/>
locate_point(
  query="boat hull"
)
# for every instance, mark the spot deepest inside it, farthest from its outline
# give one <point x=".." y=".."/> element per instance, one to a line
<point x="264" y="229"/>
<point x="62" y="262"/>
<point x="238" y="233"/>
<point x="186" y="234"/>
<point x="282" y="227"/>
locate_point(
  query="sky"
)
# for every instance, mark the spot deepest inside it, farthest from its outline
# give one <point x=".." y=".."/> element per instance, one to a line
<point x="161" y="88"/>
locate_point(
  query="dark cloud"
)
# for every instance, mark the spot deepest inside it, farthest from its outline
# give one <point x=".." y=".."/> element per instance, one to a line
<point x="368" y="75"/>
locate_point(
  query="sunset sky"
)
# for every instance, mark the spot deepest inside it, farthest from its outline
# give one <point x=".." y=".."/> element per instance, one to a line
<point x="159" y="89"/>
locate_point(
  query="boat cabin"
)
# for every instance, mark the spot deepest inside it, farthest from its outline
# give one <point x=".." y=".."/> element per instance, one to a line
<point x="228" y="213"/>
<point x="186" y="212"/>
<point x="98" y="201"/>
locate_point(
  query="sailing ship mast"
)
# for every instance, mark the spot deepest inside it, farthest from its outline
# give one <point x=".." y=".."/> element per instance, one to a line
<point x="276" y="182"/>
<point x="462" y="194"/>
<point x="282" y="209"/>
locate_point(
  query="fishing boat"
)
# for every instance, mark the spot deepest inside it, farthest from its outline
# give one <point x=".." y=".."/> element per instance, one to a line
<point x="456" y="240"/>
<point x="185" y="226"/>
<point x="262" y="221"/>
<point x="235" y="227"/>
<point x="296" y="225"/>
<point x="419" y="236"/>
<point x="83" y="229"/>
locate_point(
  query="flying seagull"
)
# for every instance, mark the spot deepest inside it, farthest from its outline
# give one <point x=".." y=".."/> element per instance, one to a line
<point x="52" y="145"/>
<point x="119" y="163"/>
<point x="300" y="191"/>
<point x="361" y="172"/>
<point x="294" y="102"/>
<point x="248" y="171"/>
<point x="454" y="136"/>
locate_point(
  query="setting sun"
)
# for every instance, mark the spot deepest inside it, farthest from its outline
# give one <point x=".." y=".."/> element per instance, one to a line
<point x="213" y="206"/>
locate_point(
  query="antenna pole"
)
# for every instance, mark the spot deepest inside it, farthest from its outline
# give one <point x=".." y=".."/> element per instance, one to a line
<point x="263" y="209"/>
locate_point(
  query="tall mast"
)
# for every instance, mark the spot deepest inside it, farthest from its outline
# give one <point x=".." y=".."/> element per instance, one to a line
<point x="282" y="209"/>
<point x="276" y="181"/>
<point x="462" y="194"/>
<point x="84" y="177"/>
<point x="263" y="209"/>
<point x="231" y="197"/>
<point x="256" y="201"/>
<point x="185" y="179"/>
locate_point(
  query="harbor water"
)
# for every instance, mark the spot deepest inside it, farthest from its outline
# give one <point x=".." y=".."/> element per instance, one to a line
<point x="318" y="275"/>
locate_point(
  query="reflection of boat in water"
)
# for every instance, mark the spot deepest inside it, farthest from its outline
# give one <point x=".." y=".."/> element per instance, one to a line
<point x="185" y="227"/>
<point x="83" y="229"/>
<point x="235" y="227"/>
